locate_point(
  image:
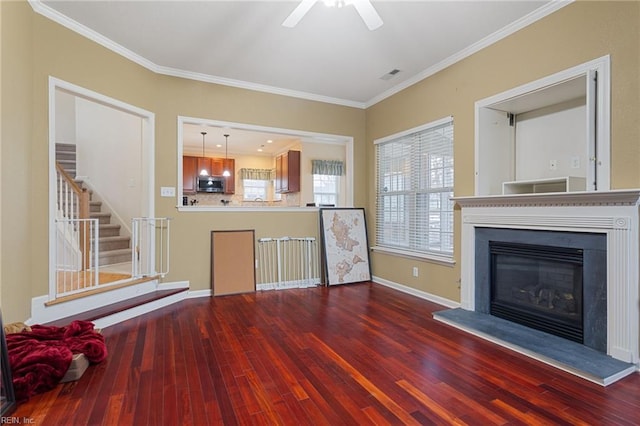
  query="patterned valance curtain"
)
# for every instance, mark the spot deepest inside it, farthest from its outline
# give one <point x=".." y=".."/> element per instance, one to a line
<point x="327" y="167"/>
<point x="257" y="174"/>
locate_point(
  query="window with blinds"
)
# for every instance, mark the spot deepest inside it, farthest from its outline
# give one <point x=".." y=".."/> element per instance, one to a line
<point x="414" y="172"/>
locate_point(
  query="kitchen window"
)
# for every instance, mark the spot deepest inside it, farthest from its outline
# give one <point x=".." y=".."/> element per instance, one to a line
<point x="414" y="186"/>
<point x="255" y="189"/>
<point x="325" y="189"/>
<point x="256" y="184"/>
<point x="326" y="181"/>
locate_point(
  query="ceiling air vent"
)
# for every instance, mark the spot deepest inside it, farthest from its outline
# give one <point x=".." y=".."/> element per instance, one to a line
<point x="390" y="74"/>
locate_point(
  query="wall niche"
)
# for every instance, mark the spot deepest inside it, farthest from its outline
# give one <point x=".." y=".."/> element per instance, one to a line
<point x="550" y="135"/>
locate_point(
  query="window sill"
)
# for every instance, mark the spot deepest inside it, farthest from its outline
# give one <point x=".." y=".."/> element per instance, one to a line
<point x="429" y="257"/>
<point x="211" y="208"/>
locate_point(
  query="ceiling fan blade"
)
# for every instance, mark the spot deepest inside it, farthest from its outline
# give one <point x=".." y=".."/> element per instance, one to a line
<point x="368" y="14"/>
<point x="298" y="13"/>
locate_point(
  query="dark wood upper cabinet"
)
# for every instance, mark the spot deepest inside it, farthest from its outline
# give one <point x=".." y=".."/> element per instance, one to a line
<point x="288" y="172"/>
<point x="189" y="174"/>
<point x="205" y="163"/>
<point x="230" y="181"/>
<point x="191" y="167"/>
<point x="217" y="166"/>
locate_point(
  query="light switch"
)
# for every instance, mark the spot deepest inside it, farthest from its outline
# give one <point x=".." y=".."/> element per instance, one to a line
<point x="167" y="191"/>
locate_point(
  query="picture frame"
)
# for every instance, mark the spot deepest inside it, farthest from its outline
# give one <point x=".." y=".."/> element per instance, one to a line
<point x="345" y="246"/>
<point x="7" y="395"/>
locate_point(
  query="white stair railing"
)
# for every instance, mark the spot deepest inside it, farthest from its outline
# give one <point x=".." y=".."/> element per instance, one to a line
<point x="76" y="257"/>
<point x="150" y="246"/>
<point x="76" y="238"/>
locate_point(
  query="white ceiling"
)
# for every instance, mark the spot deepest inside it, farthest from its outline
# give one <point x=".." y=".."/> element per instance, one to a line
<point x="329" y="56"/>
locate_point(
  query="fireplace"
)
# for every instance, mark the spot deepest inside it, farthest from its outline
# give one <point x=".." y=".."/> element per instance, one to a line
<point x="611" y="312"/>
<point x="538" y="286"/>
<point x="551" y="281"/>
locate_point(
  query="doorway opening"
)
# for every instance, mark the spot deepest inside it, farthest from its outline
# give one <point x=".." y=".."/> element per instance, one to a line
<point x="101" y="181"/>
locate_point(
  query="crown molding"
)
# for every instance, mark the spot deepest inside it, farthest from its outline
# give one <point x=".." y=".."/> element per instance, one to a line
<point x="96" y="37"/>
<point x="206" y="78"/>
<point x="92" y="35"/>
<point x="87" y="32"/>
<point x="521" y="23"/>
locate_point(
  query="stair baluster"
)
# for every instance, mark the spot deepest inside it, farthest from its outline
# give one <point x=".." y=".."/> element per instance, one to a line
<point x="70" y="195"/>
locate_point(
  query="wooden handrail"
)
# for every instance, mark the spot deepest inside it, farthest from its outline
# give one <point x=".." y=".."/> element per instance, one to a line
<point x="83" y="213"/>
<point x="72" y="183"/>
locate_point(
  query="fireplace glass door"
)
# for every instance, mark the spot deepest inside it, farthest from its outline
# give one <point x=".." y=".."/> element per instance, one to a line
<point x="538" y="286"/>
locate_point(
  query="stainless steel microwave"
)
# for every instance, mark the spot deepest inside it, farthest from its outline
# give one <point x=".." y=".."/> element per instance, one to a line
<point x="210" y="184"/>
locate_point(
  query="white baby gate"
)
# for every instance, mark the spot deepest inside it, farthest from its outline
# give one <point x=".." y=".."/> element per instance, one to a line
<point x="287" y="263"/>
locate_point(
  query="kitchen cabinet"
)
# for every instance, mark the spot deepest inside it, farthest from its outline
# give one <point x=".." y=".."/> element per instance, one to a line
<point x="205" y="163"/>
<point x="288" y="172"/>
<point x="217" y="166"/>
<point x="229" y="181"/>
<point x="189" y="174"/>
<point x="191" y="167"/>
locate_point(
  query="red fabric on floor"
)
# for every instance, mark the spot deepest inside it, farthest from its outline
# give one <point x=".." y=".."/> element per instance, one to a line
<point x="40" y="358"/>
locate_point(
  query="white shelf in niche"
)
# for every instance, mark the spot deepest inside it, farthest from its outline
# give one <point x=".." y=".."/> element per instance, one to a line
<point x="538" y="186"/>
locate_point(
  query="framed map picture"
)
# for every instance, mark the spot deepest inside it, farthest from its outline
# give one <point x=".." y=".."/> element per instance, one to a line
<point x="344" y="245"/>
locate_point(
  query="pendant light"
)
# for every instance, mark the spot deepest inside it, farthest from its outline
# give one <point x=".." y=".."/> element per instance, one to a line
<point x="226" y="172"/>
<point x="204" y="171"/>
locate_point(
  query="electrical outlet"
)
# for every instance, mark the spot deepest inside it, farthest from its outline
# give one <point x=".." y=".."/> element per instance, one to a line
<point x="553" y="164"/>
<point x="167" y="191"/>
<point x="575" y="162"/>
<point x="415" y="271"/>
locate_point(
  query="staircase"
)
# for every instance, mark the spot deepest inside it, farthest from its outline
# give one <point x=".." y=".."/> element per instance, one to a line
<point x="113" y="247"/>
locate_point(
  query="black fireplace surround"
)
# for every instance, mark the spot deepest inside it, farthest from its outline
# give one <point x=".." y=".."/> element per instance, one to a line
<point x="552" y="281"/>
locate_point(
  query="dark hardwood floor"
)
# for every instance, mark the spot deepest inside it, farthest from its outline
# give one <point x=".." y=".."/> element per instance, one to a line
<point x="356" y="354"/>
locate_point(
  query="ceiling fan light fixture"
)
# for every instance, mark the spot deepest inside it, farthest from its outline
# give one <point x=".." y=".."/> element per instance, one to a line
<point x="364" y="8"/>
<point x="336" y="3"/>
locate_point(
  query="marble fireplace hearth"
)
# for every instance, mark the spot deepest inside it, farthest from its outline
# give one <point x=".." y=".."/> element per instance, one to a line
<point x="613" y="214"/>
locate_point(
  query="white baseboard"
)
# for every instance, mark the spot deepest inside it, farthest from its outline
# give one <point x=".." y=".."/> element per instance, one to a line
<point x="200" y="293"/>
<point x="40" y="313"/>
<point x="418" y="293"/>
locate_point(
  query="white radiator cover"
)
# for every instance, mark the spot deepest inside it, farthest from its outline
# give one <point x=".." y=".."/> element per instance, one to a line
<point x="614" y="213"/>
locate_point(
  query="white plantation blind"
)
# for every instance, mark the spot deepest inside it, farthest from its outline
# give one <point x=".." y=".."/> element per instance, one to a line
<point x="414" y="172"/>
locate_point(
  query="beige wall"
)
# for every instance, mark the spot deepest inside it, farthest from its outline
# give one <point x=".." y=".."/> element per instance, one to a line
<point x="17" y="133"/>
<point x="576" y="34"/>
<point x="65" y="55"/>
<point x="34" y="48"/>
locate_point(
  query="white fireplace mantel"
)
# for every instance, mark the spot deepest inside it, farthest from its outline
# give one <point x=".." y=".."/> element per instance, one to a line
<point x="614" y="213"/>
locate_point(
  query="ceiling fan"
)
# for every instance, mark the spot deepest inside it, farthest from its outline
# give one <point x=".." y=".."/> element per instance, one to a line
<point x="364" y="8"/>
